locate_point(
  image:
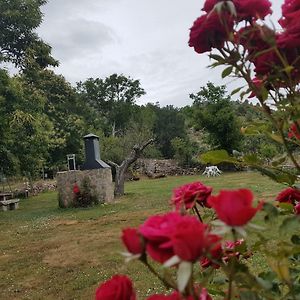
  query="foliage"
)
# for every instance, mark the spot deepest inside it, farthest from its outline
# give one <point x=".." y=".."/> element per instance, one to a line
<point x="169" y="125"/>
<point x="113" y="98"/>
<point x="184" y="151"/>
<point x="214" y="112"/>
<point x="84" y="197"/>
<point x="19" y="42"/>
<point x="26" y="131"/>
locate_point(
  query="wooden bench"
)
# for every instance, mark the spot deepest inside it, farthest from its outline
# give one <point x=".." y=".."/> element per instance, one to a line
<point x="11" y="204"/>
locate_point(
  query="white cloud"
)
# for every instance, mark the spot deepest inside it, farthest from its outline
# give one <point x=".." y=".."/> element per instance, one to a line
<point x="145" y="39"/>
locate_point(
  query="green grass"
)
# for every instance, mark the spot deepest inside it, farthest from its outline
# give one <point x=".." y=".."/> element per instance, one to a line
<point x="52" y="253"/>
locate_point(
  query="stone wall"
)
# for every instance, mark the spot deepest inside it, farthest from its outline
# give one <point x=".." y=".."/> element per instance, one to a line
<point x="155" y="168"/>
<point x="100" y="183"/>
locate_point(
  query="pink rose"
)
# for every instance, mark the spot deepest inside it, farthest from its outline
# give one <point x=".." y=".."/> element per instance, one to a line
<point x="119" y="287"/>
<point x="189" y="238"/>
<point x="210" y="31"/>
<point x="157" y="231"/>
<point x="188" y="194"/>
<point x="132" y="241"/>
<point x="234" y="208"/>
<point x="289" y="195"/>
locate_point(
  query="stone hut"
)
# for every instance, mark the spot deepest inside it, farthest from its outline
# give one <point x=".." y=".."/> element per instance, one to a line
<point x="94" y="176"/>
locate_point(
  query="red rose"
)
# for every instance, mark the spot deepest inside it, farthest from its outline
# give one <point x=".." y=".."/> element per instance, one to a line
<point x="258" y="84"/>
<point x="293" y="132"/>
<point x="234" y="207"/>
<point x="214" y="248"/>
<point x="289" y="195"/>
<point x="210" y="31"/>
<point x="209" y="5"/>
<point x="255" y="38"/>
<point x="188" y="194"/>
<point x="189" y="238"/>
<point x="252" y="9"/>
<point x="132" y="240"/>
<point x="297" y="209"/>
<point x="290" y="38"/>
<point x="245" y="9"/>
<point x="119" y="287"/>
<point x="290" y="12"/>
<point x="265" y="63"/>
<point x="76" y="189"/>
<point x="157" y="231"/>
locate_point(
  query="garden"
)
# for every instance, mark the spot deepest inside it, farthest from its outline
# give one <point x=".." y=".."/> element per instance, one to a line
<point x="47" y="251"/>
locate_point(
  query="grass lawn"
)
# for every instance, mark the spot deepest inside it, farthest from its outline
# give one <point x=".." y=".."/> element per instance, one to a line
<point x="52" y="253"/>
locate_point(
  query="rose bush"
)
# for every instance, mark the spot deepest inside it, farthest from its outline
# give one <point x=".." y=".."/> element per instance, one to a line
<point x="206" y="238"/>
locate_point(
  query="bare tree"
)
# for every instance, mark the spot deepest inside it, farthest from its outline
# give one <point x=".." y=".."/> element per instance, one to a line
<point x="123" y="167"/>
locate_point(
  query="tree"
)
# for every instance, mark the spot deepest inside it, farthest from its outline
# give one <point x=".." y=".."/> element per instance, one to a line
<point x="214" y="112"/>
<point x="71" y="117"/>
<point x="113" y="98"/>
<point x="25" y="130"/>
<point x="19" y="42"/>
<point x="123" y="167"/>
<point x="169" y="124"/>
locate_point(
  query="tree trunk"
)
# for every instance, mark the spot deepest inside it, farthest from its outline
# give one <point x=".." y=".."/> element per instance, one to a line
<point x="121" y="169"/>
<point x="119" y="182"/>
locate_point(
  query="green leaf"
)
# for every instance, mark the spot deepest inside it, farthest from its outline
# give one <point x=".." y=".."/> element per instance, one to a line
<point x="219" y="58"/>
<point x="251" y="159"/>
<point x="264" y="93"/>
<point x="278" y="175"/>
<point x="271" y="211"/>
<point x="287" y="207"/>
<point x="267" y="285"/>
<point x="217" y="156"/>
<point x="289" y="225"/>
<point x="227" y="71"/>
<point x="275" y="137"/>
<point x="278" y="160"/>
<point x="236" y="91"/>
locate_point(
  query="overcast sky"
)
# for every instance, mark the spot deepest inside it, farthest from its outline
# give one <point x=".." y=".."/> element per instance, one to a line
<point x="143" y="39"/>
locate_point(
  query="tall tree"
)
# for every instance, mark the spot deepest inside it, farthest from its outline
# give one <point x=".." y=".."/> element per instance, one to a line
<point x="19" y="41"/>
<point x="169" y="125"/>
<point x="113" y="97"/>
<point x="25" y="134"/>
<point x="214" y="112"/>
<point x="72" y="118"/>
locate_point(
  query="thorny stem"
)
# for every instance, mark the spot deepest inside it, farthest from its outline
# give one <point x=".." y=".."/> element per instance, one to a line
<point x="231" y="274"/>
<point x="198" y="213"/>
<point x="165" y="282"/>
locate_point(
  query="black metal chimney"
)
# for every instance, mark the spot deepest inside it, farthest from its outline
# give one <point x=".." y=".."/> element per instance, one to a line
<point x="92" y="153"/>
